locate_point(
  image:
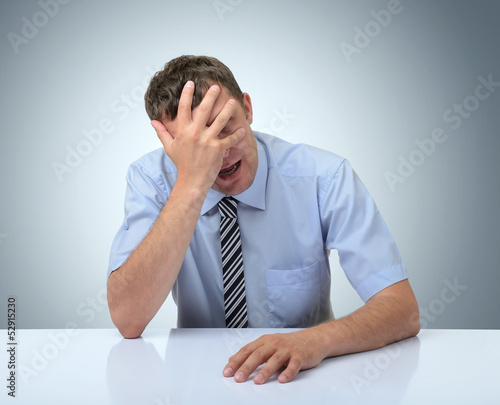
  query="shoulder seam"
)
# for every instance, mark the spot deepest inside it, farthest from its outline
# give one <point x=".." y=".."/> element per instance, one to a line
<point x="332" y="176"/>
<point x="158" y="180"/>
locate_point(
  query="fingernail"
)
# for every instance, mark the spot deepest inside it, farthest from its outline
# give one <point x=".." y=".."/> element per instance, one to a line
<point x="232" y="102"/>
<point x="258" y="379"/>
<point x="239" y="376"/>
<point x="282" y="379"/>
<point x="215" y="87"/>
<point x="189" y="83"/>
<point x="228" y="372"/>
<point x="241" y="131"/>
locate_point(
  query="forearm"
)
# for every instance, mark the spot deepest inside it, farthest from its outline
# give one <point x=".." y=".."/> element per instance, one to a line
<point x="138" y="289"/>
<point x="384" y="319"/>
<point x="140" y="286"/>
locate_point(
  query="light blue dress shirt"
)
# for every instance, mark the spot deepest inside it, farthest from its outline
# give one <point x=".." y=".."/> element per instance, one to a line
<point x="303" y="202"/>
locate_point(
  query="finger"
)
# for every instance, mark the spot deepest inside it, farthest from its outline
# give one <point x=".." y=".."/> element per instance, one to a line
<point x="204" y="110"/>
<point x="185" y="103"/>
<point x="293" y="368"/>
<point x="276" y="361"/>
<point x="237" y="359"/>
<point x="231" y="140"/>
<point x="258" y="357"/>
<point x="165" y="137"/>
<point x="222" y="118"/>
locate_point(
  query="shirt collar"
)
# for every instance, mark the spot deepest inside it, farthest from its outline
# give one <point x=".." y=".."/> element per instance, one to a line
<point x="254" y="196"/>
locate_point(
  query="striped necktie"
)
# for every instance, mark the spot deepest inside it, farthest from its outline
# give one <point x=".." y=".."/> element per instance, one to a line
<point x="235" y="305"/>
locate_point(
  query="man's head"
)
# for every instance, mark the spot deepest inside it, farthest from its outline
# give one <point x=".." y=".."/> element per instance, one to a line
<point x="240" y="162"/>
<point x="165" y="88"/>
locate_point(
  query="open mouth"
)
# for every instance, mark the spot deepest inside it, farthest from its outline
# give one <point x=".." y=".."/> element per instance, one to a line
<point x="230" y="170"/>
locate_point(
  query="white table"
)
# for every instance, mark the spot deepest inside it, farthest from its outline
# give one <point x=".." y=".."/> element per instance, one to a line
<point x="184" y="366"/>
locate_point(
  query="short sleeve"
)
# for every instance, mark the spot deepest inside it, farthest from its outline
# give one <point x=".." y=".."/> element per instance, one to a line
<point x="144" y="199"/>
<point x="353" y="225"/>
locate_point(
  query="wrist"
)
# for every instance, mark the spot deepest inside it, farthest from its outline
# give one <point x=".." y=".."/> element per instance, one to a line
<point x="188" y="194"/>
<point x="318" y="338"/>
<point x="327" y="339"/>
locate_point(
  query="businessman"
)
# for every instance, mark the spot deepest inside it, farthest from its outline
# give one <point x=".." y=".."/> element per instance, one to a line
<point x="238" y="226"/>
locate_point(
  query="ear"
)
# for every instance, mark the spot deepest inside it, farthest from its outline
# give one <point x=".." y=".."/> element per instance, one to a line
<point x="247" y="103"/>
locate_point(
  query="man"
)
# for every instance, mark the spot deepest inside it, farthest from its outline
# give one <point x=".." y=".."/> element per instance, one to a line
<point x="293" y="204"/>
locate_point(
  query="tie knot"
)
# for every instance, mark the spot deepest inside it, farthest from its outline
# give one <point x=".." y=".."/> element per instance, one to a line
<point x="228" y="207"/>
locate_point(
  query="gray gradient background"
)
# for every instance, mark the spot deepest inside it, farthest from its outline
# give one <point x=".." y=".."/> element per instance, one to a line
<point x="55" y="236"/>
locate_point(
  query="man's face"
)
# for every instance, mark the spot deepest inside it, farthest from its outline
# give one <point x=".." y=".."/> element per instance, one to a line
<point x="240" y="163"/>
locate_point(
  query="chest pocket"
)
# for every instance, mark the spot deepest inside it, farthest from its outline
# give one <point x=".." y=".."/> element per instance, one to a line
<point x="293" y="296"/>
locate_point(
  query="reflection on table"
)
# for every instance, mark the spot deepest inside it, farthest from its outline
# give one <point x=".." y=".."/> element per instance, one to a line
<point x="190" y="372"/>
<point x="184" y="366"/>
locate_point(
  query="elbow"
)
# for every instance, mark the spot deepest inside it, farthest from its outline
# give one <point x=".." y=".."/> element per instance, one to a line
<point x="128" y="329"/>
<point x="414" y="329"/>
<point x="121" y="315"/>
<point x="130" y="332"/>
<point x="125" y="323"/>
<point x="413" y="324"/>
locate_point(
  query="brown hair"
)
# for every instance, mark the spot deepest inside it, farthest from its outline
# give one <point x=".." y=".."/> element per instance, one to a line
<point x="165" y="88"/>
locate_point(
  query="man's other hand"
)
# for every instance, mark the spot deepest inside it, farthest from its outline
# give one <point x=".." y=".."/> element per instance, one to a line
<point x="295" y="351"/>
